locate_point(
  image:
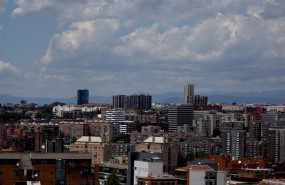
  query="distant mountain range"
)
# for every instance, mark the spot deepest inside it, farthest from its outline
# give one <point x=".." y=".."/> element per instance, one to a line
<point x="274" y="97"/>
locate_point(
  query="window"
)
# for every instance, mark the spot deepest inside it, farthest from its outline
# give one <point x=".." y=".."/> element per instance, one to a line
<point x="18" y="172"/>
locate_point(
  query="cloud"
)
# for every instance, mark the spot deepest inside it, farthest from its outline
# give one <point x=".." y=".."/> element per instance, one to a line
<point x="159" y="45"/>
<point x="2" y="5"/>
<point x="129" y="11"/>
<point x="82" y="37"/>
<point x="7" y="71"/>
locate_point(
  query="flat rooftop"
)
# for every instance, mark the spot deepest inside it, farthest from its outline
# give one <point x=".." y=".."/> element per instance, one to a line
<point x="67" y="155"/>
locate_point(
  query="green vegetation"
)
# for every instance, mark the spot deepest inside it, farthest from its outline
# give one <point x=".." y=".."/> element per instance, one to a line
<point x="18" y="113"/>
<point x="113" y="179"/>
<point x="182" y="161"/>
<point x="124" y="137"/>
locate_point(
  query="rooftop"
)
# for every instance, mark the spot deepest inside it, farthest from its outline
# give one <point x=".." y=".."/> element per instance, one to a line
<point x="92" y="139"/>
<point x="196" y="167"/>
<point x="67" y="155"/>
<point x="153" y="139"/>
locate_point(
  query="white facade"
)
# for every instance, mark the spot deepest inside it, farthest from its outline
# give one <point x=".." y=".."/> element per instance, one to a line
<point x="197" y="177"/>
<point x="60" y="110"/>
<point x="221" y="178"/>
<point x="147" y="169"/>
<point x="114" y="116"/>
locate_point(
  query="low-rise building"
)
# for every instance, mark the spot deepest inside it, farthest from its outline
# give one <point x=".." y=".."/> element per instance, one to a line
<point x="46" y="168"/>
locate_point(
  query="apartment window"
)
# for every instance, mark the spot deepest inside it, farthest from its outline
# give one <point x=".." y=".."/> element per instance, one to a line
<point x="18" y="172"/>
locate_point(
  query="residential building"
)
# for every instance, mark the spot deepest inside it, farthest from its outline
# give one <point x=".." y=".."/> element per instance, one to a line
<point x="147" y="168"/>
<point x="277" y="144"/>
<point x="139" y="156"/>
<point x="272" y="117"/>
<point x="233" y="139"/>
<point x="161" y="145"/>
<point x="201" y="175"/>
<point x="46" y="168"/>
<point x="139" y="101"/>
<point x="106" y="169"/>
<point x="100" y="151"/>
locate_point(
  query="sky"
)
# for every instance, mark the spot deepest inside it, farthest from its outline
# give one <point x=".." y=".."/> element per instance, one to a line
<point x="51" y="48"/>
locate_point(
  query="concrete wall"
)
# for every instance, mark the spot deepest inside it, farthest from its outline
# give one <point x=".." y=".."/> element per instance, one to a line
<point x="197" y="177"/>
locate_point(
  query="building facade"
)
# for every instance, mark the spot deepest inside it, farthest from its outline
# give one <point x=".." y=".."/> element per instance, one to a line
<point x="82" y="96"/>
<point x="189" y="94"/>
<point x="179" y="116"/>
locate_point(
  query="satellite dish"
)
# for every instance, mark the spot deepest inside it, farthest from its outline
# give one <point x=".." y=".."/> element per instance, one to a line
<point x="43" y="147"/>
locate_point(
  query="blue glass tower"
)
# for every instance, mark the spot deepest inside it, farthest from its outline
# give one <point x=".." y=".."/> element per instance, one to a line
<point x="82" y="96"/>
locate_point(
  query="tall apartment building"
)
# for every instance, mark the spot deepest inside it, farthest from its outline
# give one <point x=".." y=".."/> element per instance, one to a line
<point x="233" y="139"/>
<point x="82" y="96"/>
<point x="277" y="144"/>
<point x="189" y="93"/>
<point x="205" y="122"/>
<point x="119" y="101"/>
<point x="258" y="130"/>
<point x="179" y="116"/>
<point x="272" y="117"/>
<point x="200" y="100"/>
<point x="140" y="101"/>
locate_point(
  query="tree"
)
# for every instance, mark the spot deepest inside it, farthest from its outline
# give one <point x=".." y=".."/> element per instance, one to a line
<point x="124" y="137"/>
<point x="113" y="179"/>
<point x="216" y="132"/>
<point x="181" y="161"/>
<point x="190" y="157"/>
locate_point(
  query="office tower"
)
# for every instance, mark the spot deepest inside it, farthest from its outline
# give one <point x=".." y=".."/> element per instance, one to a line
<point x="23" y="102"/>
<point x="82" y="96"/>
<point x="189" y="93"/>
<point x="179" y="116"/>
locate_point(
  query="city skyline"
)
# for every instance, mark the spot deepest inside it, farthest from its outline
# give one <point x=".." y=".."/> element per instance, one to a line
<point x="49" y="48"/>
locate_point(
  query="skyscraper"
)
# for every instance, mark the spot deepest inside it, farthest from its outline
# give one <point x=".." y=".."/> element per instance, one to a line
<point x="82" y="96"/>
<point x="179" y="116"/>
<point x="189" y="93"/>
